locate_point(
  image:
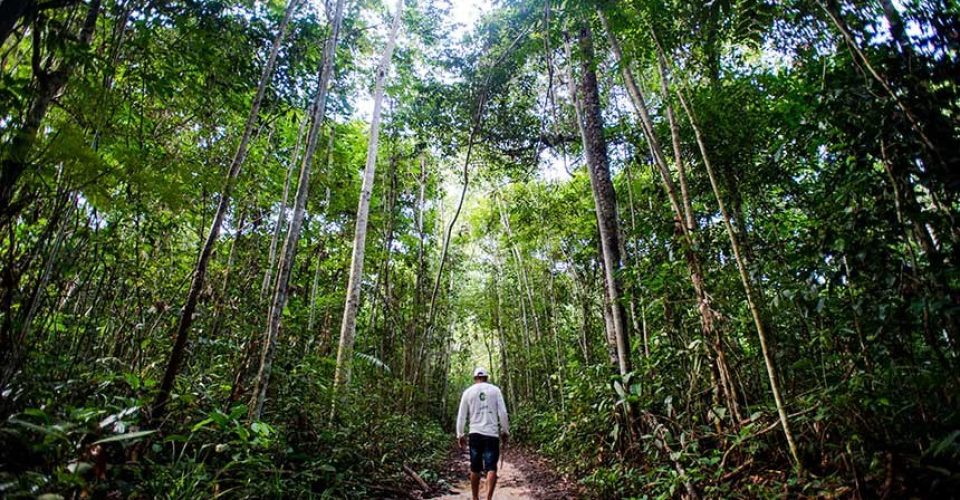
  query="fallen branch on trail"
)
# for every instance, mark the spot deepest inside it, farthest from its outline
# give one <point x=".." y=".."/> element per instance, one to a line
<point x="416" y="477"/>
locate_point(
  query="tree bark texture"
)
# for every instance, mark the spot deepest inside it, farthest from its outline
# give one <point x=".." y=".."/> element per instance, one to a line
<point x="604" y="196"/>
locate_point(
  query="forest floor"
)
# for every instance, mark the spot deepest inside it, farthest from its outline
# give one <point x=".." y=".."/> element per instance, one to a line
<point x="523" y="476"/>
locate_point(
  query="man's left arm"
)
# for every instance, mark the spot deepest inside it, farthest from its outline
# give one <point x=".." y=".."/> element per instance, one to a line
<point x="462" y="419"/>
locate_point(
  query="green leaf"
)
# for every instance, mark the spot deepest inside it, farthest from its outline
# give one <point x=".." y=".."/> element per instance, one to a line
<point x="201" y="424"/>
<point x="617" y="386"/>
<point x="944" y="444"/>
<point x="372" y="360"/>
<point x="125" y="437"/>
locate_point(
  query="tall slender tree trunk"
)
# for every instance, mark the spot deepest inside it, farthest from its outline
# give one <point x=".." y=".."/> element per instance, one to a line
<point x="280" y="288"/>
<point x="348" y="328"/>
<point x="423" y="344"/>
<point x="316" y="272"/>
<point x="521" y="268"/>
<point x="556" y="345"/>
<point x="200" y="270"/>
<point x="595" y="147"/>
<point x="507" y="382"/>
<point x="633" y="229"/>
<point x="752" y="299"/>
<point x="313" y="294"/>
<point x="410" y="347"/>
<point x="505" y="364"/>
<point x="388" y="337"/>
<point x="628" y="261"/>
<point x="675" y="141"/>
<point x="282" y="215"/>
<point x="721" y="373"/>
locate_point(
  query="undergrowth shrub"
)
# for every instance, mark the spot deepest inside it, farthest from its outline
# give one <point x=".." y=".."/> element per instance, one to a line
<point x="85" y="443"/>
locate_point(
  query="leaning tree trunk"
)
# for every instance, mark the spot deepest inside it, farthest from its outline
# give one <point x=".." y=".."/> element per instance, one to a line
<point x="200" y="270"/>
<point x="296" y="222"/>
<point x="689" y="218"/>
<point x="752" y="299"/>
<point x="590" y="123"/>
<point x="720" y="369"/>
<point x="348" y="328"/>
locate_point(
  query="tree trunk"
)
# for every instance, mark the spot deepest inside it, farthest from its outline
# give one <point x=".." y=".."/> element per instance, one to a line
<point x="387" y="338"/>
<point x="410" y="348"/>
<point x="313" y="294"/>
<point x="708" y="316"/>
<point x="752" y="300"/>
<point x="646" y="123"/>
<point x="504" y="362"/>
<point x="556" y="344"/>
<point x="421" y="240"/>
<point x="521" y="268"/>
<point x="200" y="270"/>
<point x="633" y="229"/>
<point x="316" y="273"/>
<point x="348" y="328"/>
<point x="675" y="141"/>
<point x="296" y="222"/>
<point x="281" y="216"/>
<point x="590" y="123"/>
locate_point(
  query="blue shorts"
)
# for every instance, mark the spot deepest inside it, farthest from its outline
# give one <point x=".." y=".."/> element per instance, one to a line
<point x="484" y="453"/>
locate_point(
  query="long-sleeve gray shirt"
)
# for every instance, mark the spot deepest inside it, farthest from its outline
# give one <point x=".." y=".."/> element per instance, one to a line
<point x="483" y="404"/>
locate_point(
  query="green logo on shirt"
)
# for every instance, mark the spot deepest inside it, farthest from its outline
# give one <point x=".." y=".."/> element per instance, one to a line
<point x="483" y="396"/>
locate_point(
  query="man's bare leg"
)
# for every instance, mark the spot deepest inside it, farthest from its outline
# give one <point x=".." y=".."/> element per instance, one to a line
<point x="491" y="483"/>
<point x="475" y="484"/>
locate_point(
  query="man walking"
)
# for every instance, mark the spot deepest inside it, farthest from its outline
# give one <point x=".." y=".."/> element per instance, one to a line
<point x="483" y="404"/>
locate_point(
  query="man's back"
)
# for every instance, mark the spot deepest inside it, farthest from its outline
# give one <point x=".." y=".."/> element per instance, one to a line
<point x="482" y="405"/>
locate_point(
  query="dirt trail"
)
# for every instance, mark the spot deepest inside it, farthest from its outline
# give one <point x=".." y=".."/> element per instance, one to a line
<point x="522" y="476"/>
<point x="511" y="485"/>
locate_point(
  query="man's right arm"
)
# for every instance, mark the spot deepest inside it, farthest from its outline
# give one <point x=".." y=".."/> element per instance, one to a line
<point x="462" y="415"/>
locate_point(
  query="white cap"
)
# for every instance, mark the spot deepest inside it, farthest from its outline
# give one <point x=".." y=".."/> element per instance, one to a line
<point x="480" y="372"/>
